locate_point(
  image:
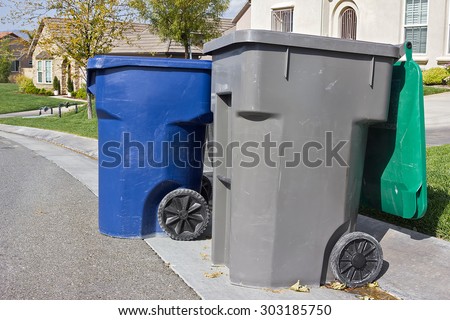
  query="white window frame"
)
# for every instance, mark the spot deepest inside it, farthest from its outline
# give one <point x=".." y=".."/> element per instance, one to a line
<point x="44" y="71"/>
<point x="420" y="25"/>
<point x="283" y="27"/>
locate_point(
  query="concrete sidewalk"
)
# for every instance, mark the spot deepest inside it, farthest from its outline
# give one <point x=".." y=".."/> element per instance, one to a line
<point x="49" y="112"/>
<point x="416" y="265"/>
<point x="437" y="119"/>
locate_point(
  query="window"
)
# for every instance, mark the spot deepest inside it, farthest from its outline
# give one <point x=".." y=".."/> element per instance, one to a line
<point x="282" y="20"/>
<point x="44" y="71"/>
<point x="15" y="66"/>
<point x="348" y="24"/>
<point x="416" y="24"/>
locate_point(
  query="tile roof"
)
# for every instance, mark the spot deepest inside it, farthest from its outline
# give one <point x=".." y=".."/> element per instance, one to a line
<point x="140" y="40"/>
<point x="7" y="33"/>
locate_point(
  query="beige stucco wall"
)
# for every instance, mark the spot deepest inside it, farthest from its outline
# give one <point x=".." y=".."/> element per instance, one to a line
<point x="245" y="22"/>
<point x="378" y="21"/>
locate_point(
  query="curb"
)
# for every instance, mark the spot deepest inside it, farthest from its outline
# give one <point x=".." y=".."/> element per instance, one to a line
<point x="83" y="145"/>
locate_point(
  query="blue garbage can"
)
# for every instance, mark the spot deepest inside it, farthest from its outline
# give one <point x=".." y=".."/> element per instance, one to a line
<point x="152" y="117"/>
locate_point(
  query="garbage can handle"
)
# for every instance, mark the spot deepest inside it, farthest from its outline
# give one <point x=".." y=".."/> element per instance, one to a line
<point x="406" y="48"/>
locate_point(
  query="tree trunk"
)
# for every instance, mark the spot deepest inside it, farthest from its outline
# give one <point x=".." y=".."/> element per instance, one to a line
<point x="186" y="51"/>
<point x="89" y="105"/>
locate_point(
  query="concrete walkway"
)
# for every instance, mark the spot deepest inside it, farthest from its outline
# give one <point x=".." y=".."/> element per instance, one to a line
<point x="416" y="265"/>
<point x="35" y="113"/>
<point x="437" y="119"/>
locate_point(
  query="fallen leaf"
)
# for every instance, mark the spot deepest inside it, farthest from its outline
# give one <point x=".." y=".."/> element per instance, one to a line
<point x="365" y="298"/>
<point x="299" y="288"/>
<point x="336" y="285"/>
<point x="273" y="290"/>
<point x="204" y="256"/>
<point x="373" y="285"/>
<point x="213" y="275"/>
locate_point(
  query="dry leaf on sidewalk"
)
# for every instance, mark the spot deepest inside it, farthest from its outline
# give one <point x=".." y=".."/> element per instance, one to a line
<point x="336" y="285"/>
<point x="299" y="288"/>
<point x="213" y="275"/>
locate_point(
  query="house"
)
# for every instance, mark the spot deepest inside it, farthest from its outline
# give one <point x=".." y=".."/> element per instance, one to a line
<point x="138" y="41"/>
<point x="19" y="49"/>
<point x="243" y="19"/>
<point x="426" y="23"/>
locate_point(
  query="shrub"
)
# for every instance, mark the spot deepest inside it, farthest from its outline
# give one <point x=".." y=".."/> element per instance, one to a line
<point x="447" y="67"/>
<point x="81" y="93"/>
<point x="69" y="84"/>
<point x="435" y="76"/>
<point x="56" y="84"/>
<point x="21" y="81"/>
<point x="5" y="68"/>
<point x="26" y="85"/>
<point x="45" y="92"/>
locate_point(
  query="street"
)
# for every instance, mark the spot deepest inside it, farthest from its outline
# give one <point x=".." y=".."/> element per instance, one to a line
<point x="50" y="247"/>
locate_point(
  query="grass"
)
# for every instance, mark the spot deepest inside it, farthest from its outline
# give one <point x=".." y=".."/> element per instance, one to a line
<point x="71" y="122"/>
<point x="14" y="101"/>
<point x="436" y="221"/>
<point x="428" y="90"/>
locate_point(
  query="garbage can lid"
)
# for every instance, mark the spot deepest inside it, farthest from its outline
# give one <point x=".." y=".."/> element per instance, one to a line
<point x="303" y="41"/>
<point x="105" y="62"/>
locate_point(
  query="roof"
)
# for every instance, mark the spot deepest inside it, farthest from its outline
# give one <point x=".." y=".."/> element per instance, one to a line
<point x="140" y="40"/>
<point x="244" y="9"/>
<point x="7" y="33"/>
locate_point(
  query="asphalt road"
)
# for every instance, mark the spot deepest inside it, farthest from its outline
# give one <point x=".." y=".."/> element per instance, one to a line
<point x="50" y="247"/>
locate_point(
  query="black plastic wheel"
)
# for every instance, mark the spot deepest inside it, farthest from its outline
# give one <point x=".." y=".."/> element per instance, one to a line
<point x="183" y="214"/>
<point x="206" y="189"/>
<point x="356" y="259"/>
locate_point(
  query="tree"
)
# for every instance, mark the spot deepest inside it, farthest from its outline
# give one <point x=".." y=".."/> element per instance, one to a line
<point x="87" y="28"/>
<point x="189" y="22"/>
<point x="6" y="58"/>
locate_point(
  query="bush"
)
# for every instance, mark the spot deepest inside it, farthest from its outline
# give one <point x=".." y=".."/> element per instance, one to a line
<point x="5" y="69"/>
<point x="81" y="93"/>
<point x="435" y="76"/>
<point x="21" y="81"/>
<point x="56" y="84"/>
<point x="69" y="84"/>
<point x="26" y="85"/>
<point x="447" y="67"/>
<point x="45" y="92"/>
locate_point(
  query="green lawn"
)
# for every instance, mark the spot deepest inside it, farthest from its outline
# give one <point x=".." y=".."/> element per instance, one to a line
<point x="436" y="221"/>
<point x="11" y="100"/>
<point x="71" y="122"/>
<point x="427" y="90"/>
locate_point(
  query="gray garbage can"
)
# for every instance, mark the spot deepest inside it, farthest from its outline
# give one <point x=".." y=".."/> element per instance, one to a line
<point x="294" y="109"/>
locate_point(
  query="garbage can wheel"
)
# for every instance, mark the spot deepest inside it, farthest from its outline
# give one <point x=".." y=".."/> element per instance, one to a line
<point x="183" y="214"/>
<point x="356" y="259"/>
<point x="207" y="189"/>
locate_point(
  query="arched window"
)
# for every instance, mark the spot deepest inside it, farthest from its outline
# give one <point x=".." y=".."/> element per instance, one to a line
<point x="348" y="24"/>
